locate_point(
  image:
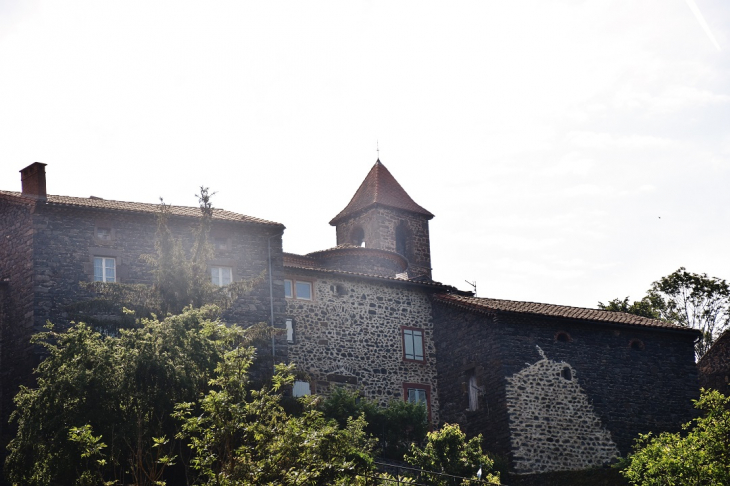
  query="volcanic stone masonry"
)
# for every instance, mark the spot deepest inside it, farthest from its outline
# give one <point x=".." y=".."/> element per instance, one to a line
<point x="553" y="425"/>
<point x="351" y="333"/>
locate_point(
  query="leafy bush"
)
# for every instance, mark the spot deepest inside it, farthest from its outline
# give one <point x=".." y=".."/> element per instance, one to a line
<point x="700" y="456"/>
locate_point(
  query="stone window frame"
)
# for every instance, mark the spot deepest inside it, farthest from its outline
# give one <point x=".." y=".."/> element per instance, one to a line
<point x="403" y="330"/>
<point x="293" y="286"/>
<point x="419" y="386"/>
<point x="104" y="224"/>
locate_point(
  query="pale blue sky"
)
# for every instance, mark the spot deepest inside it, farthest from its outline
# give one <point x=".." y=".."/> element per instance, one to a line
<point x="548" y="138"/>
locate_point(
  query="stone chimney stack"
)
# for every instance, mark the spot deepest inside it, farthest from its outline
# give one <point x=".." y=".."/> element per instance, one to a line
<point x="33" y="178"/>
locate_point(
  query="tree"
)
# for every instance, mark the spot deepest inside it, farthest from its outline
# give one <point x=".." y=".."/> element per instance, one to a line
<point x="118" y="391"/>
<point x="699" y="457"/>
<point x="696" y="301"/>
<point x="447" y="451"/>
<point x="687" y="299"/>
<point x="396" y="426"/>
<point x="644" y="307"/>
<point x="244" y="437"/>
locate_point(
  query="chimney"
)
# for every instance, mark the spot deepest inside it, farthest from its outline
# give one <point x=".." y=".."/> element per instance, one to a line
<point x="33" y="178"/>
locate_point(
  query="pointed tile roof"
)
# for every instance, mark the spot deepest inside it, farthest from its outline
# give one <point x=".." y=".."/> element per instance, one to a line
<point x="380" y="188"/>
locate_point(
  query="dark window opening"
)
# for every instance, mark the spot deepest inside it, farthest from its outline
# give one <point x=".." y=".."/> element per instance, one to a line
<point x="358" y="237"/>
<point x="563" y="337"/>
<point x="636" y="345"/>
<point x="567" y="374"/>
<point x="401" y="240"/>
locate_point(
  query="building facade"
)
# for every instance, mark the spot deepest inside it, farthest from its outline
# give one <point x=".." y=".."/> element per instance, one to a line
<point x="549" y="387"/>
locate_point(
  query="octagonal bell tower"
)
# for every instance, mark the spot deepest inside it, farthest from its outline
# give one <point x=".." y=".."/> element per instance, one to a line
<point x="383" y="216"/>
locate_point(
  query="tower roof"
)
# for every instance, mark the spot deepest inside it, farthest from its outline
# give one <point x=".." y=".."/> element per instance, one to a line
<point x="380" y="188"/>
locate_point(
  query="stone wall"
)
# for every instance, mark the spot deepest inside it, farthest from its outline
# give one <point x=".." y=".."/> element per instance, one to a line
<point x="380" y="225"/>
<point x="552" y="424"/>
<point x="636" y="379"/>
<point x="65" y="244"/>
<point x="350" y="335"/>
<point x="16" y="308"/>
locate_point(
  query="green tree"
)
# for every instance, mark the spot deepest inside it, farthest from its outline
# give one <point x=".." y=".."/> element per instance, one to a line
<point x="244" y="437"/>
<point x="396" y="426"/>
<point x="696" y="301"/>
<point x="644" y="307"/>
<point x="687" y="299"/>
<point x="447" y="451"/>
<point x="700" y="456"/>
<point x="119" y="391"/>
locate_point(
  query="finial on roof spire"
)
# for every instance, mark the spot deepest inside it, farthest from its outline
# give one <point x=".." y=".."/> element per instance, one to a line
<point x="377" y="148"/>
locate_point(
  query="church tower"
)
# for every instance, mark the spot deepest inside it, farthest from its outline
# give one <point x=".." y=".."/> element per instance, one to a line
<point x="381" y="215"/>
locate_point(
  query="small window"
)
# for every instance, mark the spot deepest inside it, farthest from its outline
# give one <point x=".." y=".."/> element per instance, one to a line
<point x="412" y="344"/>
<point x="563" y="337"/>
<point x="401" y="240"/>
<point x="221" y="276"/>
<point x="104" y="234"/>
<point x="567" y="374"/>
<point x="220" y="243"/>
<point x="301" y="389"/>
<point x="297" y="289"/>
<point x="304" y="290"/>
<point x="636" y="345"/>
<point x="105" y="269"/>
<point x="289" y="331"/>
<point x="358" y="237"/>
<point x="473" y="393"/>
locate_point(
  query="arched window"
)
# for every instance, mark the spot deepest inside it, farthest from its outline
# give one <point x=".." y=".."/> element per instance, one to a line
<point x="358" y="236"/>
<point x="401" y="240"/>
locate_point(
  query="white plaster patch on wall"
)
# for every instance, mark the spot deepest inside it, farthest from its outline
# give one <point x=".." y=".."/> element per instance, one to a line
<point x="553" y="426"/>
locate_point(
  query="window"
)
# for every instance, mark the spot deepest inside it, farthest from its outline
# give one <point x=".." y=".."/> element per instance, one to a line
<point x="220" y="243"/>
<point x="358" y="236"/>
<point x="297" y="289"/>
<point x="418" y="393"/>
<point x="401" y="240"/>
<point x="412" y="344"/>
<point x="289" y="331"/>
<point x="473" y="393"/>
<point x="301" y="388"/>
<point x="221" y="276"/>
<point x="105" y="269"/>
<point x="104" y="234"/>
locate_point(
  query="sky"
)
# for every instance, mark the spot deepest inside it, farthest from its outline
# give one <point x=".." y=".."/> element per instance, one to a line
<point x="572" y="151"/>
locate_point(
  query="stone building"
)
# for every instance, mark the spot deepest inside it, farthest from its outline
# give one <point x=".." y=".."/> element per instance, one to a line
<point x="48" y="244"/>
<point x="550" y="387"/>
<point x="714" y="366"/>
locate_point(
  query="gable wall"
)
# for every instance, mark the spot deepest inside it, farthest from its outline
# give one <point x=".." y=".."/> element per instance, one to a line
<point x="630" y="391"/>
<point x="355" y="336"/>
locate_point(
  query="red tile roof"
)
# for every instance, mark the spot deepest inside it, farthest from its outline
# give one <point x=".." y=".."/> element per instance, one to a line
<point x="187" y="211"/>
<point x="303" y="262"/>
<point x="380" y="188"/>
<point x="488" y="306"/>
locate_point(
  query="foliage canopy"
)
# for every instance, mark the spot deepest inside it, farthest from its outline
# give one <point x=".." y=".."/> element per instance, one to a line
<point x="701" y="456"/>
